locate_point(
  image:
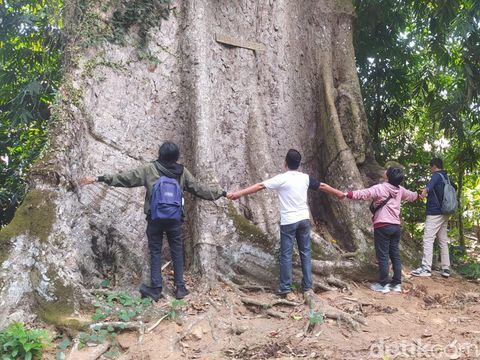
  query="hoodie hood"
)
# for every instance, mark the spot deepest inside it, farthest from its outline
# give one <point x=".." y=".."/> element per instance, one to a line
<point x="175" y="168"/>
<point x="392" y="189"/>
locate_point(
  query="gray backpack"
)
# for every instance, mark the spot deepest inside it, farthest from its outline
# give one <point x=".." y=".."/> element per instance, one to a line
<point x="449" y="203"/>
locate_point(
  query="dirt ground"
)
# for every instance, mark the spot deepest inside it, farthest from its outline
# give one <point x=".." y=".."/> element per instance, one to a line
<point x="432" y="318"/>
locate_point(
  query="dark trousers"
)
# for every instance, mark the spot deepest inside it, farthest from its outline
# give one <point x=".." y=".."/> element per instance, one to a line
<point x="387" y="239"/>
<point x="155" y="230"/>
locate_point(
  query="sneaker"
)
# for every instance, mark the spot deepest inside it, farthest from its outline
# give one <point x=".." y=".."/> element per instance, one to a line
<point x="380" y="288"/>
<point x="395" y="288"/>
<point x="445" y="273"/>
<point x="282" y="292"/>
<point x="181" y="291"/>
<point x="421" y="271"/>
<point x="154" y="293"/>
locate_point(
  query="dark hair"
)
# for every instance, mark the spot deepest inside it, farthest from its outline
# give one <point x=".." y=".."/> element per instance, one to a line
<point x="437" y="162"/>
<point x="293" y="159"/>
<point x="168" y="152"/>
<point x="395" y="175"/>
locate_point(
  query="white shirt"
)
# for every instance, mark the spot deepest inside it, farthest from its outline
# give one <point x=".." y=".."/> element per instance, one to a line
<point x="292" y="188"/>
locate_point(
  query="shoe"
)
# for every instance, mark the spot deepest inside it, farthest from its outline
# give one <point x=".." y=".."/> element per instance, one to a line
<point x="282" y="292"/>
<point x="421" y="271"/>
<point x="181" y="291"/>
<point x="395" y="288"/>
<point x="154" y="293"/>
<point x="445" y="273"/>
<point x="380" y="288"/>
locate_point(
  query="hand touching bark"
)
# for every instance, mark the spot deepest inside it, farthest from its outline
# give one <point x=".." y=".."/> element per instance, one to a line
<point x="234" y="195"/>
<point x="87" y="180"/>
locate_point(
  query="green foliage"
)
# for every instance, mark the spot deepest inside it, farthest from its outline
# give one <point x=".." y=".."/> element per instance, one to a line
<point x="315" y="318"/>
<point x="470" y="270"/>
<point x="144" y="14"/>
<point x="17" y="342"/>
<point x="419" y="68"/>
<point x="118" y="306"/>
<point x="30" y="63"/>
<point x="174" y="305"/>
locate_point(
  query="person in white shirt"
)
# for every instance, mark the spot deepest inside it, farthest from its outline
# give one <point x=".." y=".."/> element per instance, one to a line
<point x="292" y="187"/>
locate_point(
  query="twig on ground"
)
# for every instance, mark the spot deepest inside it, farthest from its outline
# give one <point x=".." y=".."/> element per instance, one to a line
<point x="156" y="323"/>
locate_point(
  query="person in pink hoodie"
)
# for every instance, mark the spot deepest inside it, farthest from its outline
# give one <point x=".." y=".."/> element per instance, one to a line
<point x="386" y="200"/>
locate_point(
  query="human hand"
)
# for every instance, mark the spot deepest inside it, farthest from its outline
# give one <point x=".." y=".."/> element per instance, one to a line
<point x="422" y="194"/>
<point x="87" y="180"/>
<point x="340" y="195"/>
<point x="233" y="195"/>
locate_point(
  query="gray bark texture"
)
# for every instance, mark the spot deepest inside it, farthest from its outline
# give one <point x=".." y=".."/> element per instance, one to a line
<point x="234" y="113"/>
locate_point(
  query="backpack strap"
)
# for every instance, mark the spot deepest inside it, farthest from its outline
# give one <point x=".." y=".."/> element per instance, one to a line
<point x="382" y="204"/>
<point x="445" y="181"/>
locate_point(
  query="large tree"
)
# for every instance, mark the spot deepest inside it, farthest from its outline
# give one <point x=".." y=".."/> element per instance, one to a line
<point x="130" y="84"/>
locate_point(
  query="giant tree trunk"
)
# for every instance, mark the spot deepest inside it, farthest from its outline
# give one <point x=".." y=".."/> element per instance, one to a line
<point x="234" y="112"/>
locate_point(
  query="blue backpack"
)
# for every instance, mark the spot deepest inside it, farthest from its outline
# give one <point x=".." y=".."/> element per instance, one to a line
<point x="167" y="197"/>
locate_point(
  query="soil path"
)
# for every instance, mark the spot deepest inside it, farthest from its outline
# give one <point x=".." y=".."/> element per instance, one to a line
<point x="432" y="318"/>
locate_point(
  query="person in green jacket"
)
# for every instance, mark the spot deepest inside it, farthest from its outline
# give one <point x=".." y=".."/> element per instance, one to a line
<point x="147" y="175"/>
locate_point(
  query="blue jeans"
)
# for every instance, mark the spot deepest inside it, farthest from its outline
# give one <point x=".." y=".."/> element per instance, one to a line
<point x="386" y="246"/>
<point x="288" y="233"/>
<point x="155" y="230"/>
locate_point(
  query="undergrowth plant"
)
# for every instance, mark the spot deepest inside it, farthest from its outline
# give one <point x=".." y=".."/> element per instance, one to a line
<point x="18" y="342"/>
<point x="119" y="306"/>
<point x="174" y="305"/>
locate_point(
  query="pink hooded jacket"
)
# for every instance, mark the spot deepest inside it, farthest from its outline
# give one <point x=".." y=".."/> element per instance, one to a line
<point x="390" y="212"/>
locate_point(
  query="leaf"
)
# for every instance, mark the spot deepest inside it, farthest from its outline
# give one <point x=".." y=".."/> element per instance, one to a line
<point x="297" y="317"/>
<point x="65" y="343"/>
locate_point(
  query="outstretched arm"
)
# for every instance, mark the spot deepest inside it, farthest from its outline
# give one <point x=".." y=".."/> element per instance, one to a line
<point x="330" y="190"/>
<point x="247" y="191"/>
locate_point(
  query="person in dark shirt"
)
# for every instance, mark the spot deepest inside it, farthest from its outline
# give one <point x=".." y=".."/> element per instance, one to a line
<point x="435" y="223"/>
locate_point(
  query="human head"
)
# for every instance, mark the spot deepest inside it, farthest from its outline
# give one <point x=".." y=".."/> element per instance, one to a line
<point x="394" y="175"/>
<point x="437" y="162"/>
<point x="293" y="159"/>
<point x="168" y="152"/>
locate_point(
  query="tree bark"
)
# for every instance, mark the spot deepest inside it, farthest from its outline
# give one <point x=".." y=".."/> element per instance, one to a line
<point x="234" y="113"/>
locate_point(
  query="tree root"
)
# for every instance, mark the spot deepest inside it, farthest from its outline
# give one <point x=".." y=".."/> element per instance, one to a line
<point x="253" y="288"/>
<point x="94" y="354"/>
<point x="231" y="285"/>
<point x="139" y="326"/>
<point x="328" y="267"/>
<point x="322" y="286"/>
<point x="318" y="306"/>
<point x="331" y="280"/>
<point x="267" y="307"/>
<point x="250" y="301"/>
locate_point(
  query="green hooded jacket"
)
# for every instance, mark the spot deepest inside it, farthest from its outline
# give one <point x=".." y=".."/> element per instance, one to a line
<point x="146" y="175"/>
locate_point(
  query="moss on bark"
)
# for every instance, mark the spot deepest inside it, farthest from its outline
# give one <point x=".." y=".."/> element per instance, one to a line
<point x="35" y="217"/>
